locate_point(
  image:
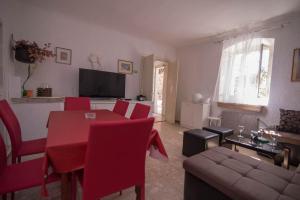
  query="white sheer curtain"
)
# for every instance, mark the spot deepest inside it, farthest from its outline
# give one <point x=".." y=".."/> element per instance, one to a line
<point x="238" y="78"/>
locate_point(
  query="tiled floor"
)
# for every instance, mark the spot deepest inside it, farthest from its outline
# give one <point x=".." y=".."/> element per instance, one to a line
<point x="164" y="179"/>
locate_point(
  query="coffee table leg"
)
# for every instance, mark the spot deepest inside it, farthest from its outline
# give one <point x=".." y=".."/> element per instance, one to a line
<point x="66" y="186"/>
<point x="234" y="148"/>
<point x="286" y="157"/>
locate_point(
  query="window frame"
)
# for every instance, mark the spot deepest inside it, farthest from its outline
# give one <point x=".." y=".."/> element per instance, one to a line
<point x="267" y="43"/>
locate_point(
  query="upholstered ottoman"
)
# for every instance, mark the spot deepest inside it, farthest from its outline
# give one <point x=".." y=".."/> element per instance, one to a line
<point x="220" y="173"/>
<point x="221" y="131"/>
<point x="197" y="140"/>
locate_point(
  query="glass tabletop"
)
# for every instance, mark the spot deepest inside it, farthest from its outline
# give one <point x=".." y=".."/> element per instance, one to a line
<point x="259" y="146"/>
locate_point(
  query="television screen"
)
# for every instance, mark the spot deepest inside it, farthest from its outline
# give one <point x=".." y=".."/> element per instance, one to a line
<point x="94" y="83"/>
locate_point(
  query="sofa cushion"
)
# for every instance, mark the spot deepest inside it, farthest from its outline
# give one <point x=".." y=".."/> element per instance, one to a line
<point x="292" y="190"/>
<point x="247" y="188"/>
<point x="289" y="121"/>
<point x="242" y="177"/>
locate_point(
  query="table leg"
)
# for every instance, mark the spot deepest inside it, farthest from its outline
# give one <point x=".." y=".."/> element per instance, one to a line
<point x="234" y="148"/>
<point x="286" y="157"/>
<point x="66" y="186"/>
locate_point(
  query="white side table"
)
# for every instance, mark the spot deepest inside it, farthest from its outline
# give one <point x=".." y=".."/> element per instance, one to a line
<point x="194" y="115"/>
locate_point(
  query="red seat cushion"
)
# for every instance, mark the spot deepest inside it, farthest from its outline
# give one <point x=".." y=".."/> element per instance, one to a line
<point x="20" y="176"/>
<point x="115" y="157"/>
<point x="121" y="107"/>
<point x="140" y="111"/>
<point x="32" y="147"/>
<point x="77" y="103"/>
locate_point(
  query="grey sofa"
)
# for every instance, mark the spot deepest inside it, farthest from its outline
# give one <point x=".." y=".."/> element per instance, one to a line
<point x="220" y="173"/>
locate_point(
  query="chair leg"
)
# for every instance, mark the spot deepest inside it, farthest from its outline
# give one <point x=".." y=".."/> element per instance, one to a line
<point x="140" y="192"/>
<point x="12" y="196"/>
<point x="73" y="186"/>
<point x="137" y="192"/>
<point x="4" y="197"/>
<point x="120" y="193"/>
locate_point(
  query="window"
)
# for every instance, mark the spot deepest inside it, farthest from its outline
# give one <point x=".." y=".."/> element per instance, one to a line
<point x="245" y="71"/>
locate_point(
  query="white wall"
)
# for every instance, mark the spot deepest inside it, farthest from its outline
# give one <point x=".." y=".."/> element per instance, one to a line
<point x="198" y="71"/>
<point x="199" y="68"/>
<point x="34" y="24"/>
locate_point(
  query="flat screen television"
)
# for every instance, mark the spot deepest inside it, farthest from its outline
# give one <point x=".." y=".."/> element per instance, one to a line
<point x="101" y="84"/>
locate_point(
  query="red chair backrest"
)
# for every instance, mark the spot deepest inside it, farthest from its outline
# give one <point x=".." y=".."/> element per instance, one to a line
<point x="12" y="125"/>
<point x="140" y="111"/>
<point x="121" y="107"/>
<point x="3" y="157"/>
<point x="115" y="157"/>
<point x="77" y="103"/>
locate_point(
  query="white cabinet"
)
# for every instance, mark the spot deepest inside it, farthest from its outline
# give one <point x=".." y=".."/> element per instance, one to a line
<point x="194" y="115"/>
<point x="33" y="118"/>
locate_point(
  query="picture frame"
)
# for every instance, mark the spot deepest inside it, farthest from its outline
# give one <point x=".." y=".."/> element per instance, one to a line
<point x="125" y="67"/>
<point x="296" y="65"/>
<point x="63" y="55"/>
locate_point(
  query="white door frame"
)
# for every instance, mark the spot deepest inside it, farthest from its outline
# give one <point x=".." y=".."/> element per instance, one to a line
<point x="159" y="64"/>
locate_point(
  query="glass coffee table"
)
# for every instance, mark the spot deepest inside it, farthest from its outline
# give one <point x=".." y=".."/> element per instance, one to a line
<point x="260" y="147"/>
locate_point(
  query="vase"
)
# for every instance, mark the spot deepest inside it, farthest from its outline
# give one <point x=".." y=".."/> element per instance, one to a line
<point x="29" y="73"/>
<point x="22" y="55"/>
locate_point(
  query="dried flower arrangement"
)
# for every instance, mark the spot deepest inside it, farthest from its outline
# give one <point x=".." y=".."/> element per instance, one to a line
<point x="29" y="52"/>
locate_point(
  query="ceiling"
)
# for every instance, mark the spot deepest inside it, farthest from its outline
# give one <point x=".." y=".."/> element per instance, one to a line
<point x="174" y="22"/>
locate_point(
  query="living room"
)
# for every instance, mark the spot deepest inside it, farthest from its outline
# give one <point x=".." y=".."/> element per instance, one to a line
<point x="191" y="37"/>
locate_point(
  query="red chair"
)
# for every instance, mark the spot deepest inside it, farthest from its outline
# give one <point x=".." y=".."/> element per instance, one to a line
<point x="19" y="147"/>
<point x="111" y="164"/>
<point x="21" y="176"/>
<point x="140" y="111"/>
<point x="121" y="107"/>
<point x="77" y="103"/>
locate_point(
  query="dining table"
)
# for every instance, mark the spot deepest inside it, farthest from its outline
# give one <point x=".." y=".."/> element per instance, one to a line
<point x="67" y="139"/>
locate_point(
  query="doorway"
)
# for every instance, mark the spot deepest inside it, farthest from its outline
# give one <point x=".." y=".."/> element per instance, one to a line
<point x="159" y="89"/>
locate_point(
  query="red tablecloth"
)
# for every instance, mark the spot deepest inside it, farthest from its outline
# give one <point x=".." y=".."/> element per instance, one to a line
<point x="68" y="137"/>
<point x="156" y="147"/>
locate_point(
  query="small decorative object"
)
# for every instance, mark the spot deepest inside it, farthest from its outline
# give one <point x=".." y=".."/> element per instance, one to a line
<point x="95" y="61"/>
<point x="44" y="91"/>
<point x="29" y="93"/>
<point x="63" y="56"/>
<point x="241" y="130"/>
<point x="197" y="98"/>
<point x="254" y="137"/>
<point x="273" y="136"/>
<point x="296" y="66"/>
<point x="29" y="53"/>
<point x="141" y="97"/>
<point x="90" y="115"/>
<point x="125" y="67"/>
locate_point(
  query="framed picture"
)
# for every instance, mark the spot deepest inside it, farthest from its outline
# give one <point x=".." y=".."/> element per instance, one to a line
<point x="296" y="65"/>
<point x="63" y="56"/>
<point x="125" y="67"/>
